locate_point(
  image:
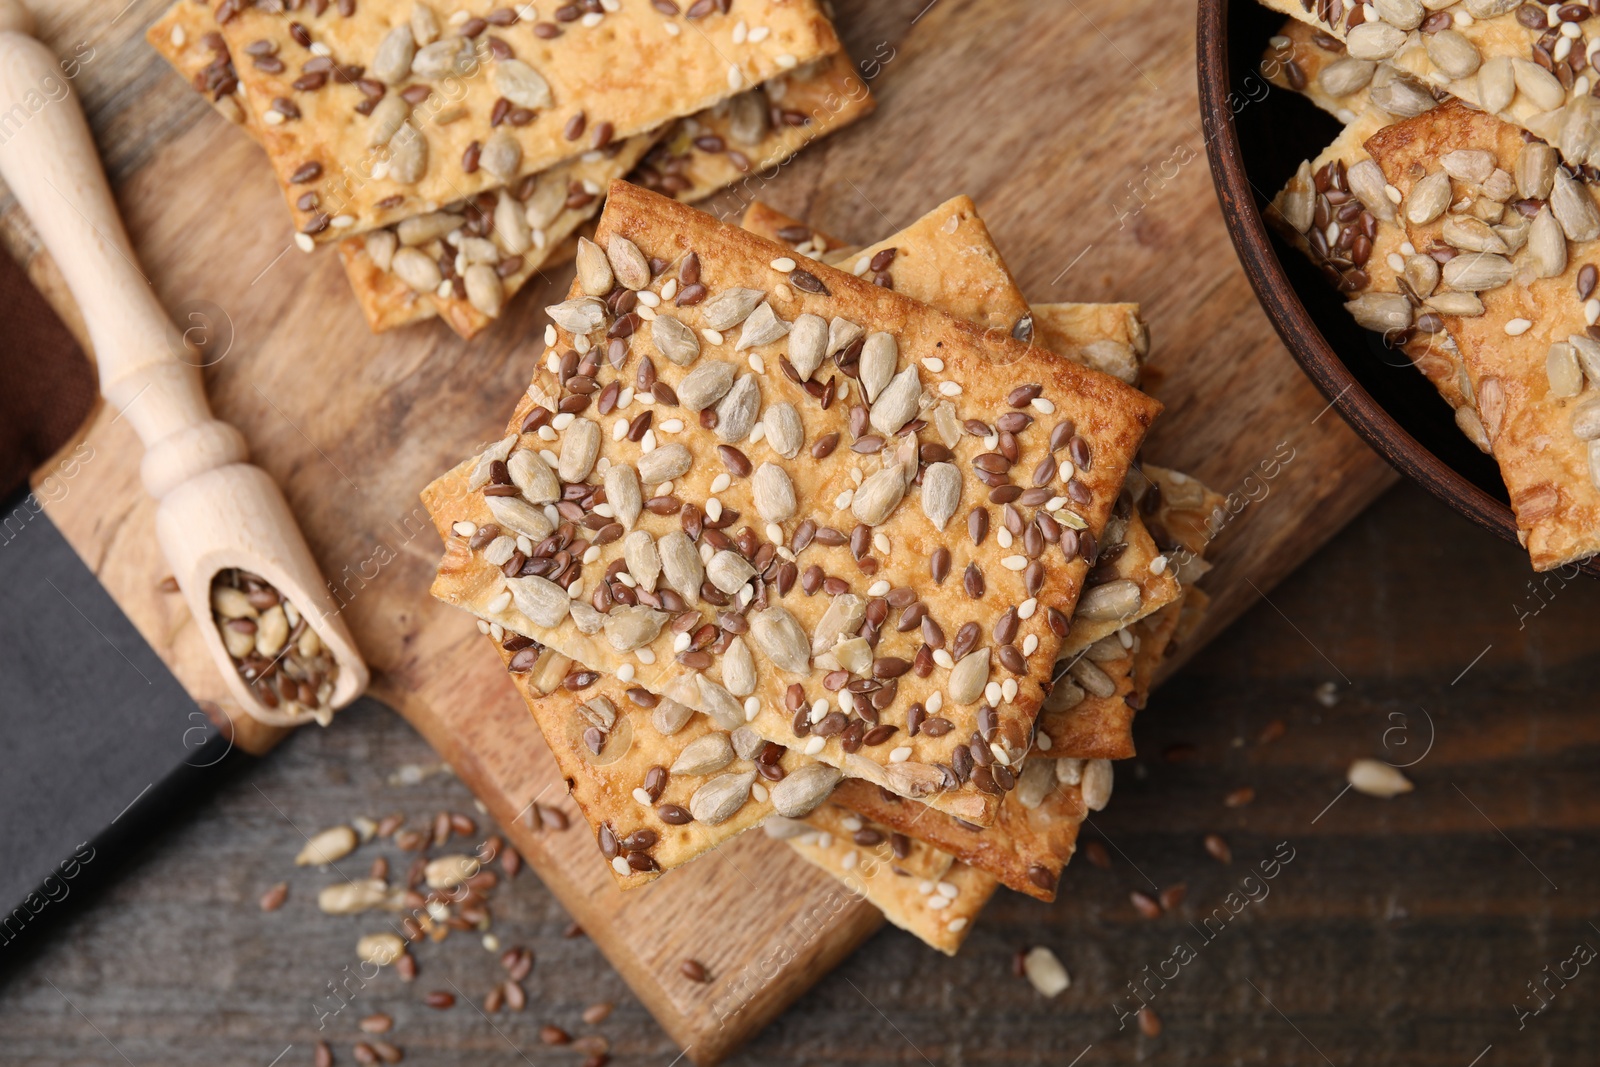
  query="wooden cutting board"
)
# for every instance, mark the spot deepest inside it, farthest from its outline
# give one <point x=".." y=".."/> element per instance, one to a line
<point x="1074" y="126"/>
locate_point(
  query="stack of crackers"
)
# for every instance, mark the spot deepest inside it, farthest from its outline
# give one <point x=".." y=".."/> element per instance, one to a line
<point x="1457" y="213"/>
<point x="849" y="543"/>
<point x="453" y="148"/>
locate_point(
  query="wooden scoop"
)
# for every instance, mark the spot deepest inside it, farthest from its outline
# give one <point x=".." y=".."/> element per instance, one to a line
<point x="216" y="511"/>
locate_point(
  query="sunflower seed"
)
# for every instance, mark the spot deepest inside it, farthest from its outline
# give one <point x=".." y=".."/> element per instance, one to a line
<point x="718" y="703"/>
<point x="623" y="493"/>
<point x="844" y="616"/>
<point x="381" y="949"/>
<point x="391" y="63"/>
<point x="774" y="493"/>
<point x="1488" y="9"/>
<point x="533" y="477"/>
<point x="898" y="403"/>
<point x="522" y="85"/>
<point x="681" y="564"/>
<point x="968" y="677"/>
<point x="352" y="898"/>
<point x="663" y="465"/>
<point x="424" y="24"/>
<point x="594" y="270"/>
<point x="1377" y="779"/>
<point x="519" y="516"/>
<point x="842" y="333"/>
<point x="388" y="116"/>
<point x="578" y="316"/>
<point x="738" y="668"/>
<point x="443" y="58"/>
<point x="1454" y="54"/>
<point x="1586" y="420"/>
<point x="801" y="790"/>
<point x="1096" y="784"/>
<point x="781" y="639"/>
<point x="1466" y="305"/>
<point x="1587" y="349"/>
<point x="1574" y="208"/>
<point x="704" y="755"/>
<point x="485" y="290"/>
<point x="1536" y="170"/>
<point x="1399" y="93"/>
<point x="1537" y="84"/>
<point x="1106" y="603"/>
<point x="1547" y="244"/>
<point x="644" y="562"/>
<point x="731" y="307"/>
<point x="1346" y="75"/>
<point x="761" y="327"/>
<point x="705" y="385"/>
<point x="580" y="447"/>
<point x="728" y="571"/>
<point x="1367" y="182"/>
<point x="737" y="410"/>
<point x="1478" y="272"/>
<point x="1089" y="675"/>
<point x="1428" y="199"/>
<point x="417" y="270"/>
<point x="1496" y="84"/>
<point x="674" y="340"/>
<point x="784" y="431"/>
<point x="1045" y="972"/>
<point x="1374" y="40"/>
<point x="878" y="496"/>
<point x="669" y="716"/>
<point x="1562" y="370"/>
<point x="854" y="655"/>
<point x="629" y="264"/>
<point x="540" y="599"/>
<point x="599" y="712"/>
<point x="808" y="344"/>
<point x="1406" y="14"/>
<point x="1468" y="165"/>
<point x="879" y="357"/>
<point x="408" y="155"/>
<point x="748" y="115"/>
<point x="1580" y="129"/>
<point x="1422" y="274"/>
<point x="1037" y="780"/>
<point x="327" y="846"/>
<point x="1380" y="312"/>
<point x="586" y="618"/>
<point x="941" y="492"/>
<point x="501" y="156"/>
<point x="1472" y="235"/>
<point x="717" y="800"/>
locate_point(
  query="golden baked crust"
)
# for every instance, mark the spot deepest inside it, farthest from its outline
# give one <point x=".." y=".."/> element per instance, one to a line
<point x="709" y="151"/>
<point x="1528" y="353"/>
<point x="915" y="885"/>
<point x="610" y="73"/>
<point x="1113" y="416"/>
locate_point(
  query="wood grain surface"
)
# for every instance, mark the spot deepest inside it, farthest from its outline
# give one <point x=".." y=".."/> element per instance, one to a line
<point x="1075" y="128"/>
<point x="1402" y="934"/>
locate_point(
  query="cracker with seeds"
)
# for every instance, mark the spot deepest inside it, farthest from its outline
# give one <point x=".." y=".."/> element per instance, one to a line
<point x="876" y="665"/>
<point x="1386" y="280"/>
<point x="916" y="886"/>
<point x="1528" y="64"/>
<point x="1523" y="312"/>
<point x="624" y="791"/>
<point x="390" y="108"/>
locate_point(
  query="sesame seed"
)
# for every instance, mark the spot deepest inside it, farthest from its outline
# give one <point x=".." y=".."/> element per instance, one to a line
<point x="681" y="643"/>
<point x="863" y="265"/>
<point x="1397" y="262"/>
<point x="619" y="429"/>
<point x="500" y="603"/>
<point x="949" y="889"/>
<point x="1001" y="756"/>
<point x="758" y="364"/>
<point x="1043" y="405"/>
<point x="591" y="553"/>
<point x="783" y="264"/>
<point x="668" y="291"/>
<point x="712" y="336"/>
<point x="483" y="627"/>
<point x="1008" y="690"/>
<point x="935" y="701"/>
<point x="671" y="425"/>
<point x="465" y="529"/>
<point x="844" y="388"/>
<point x="943" y="658"/>
<point x="949" y="389"/>
<point x="672" y="28"/>
<point x="641" y="796"/>
<point x="774" y="532"/>
<point x="901" y="754"/>
<point x="880" y="541"/>
<point x="1158" y="565"/>
<point x="552" y="362"/>
<point x="547" y="433"/>
<point x="649" y="299"/>
<point x="819" y="708"/>
<point x="786" y="61"/>
<point x="1005" y="537"/>
<point x="563" y="420"/>
<point x="1014" y="563"/>
<point x="301" y="241"/>
<point x="575" y="590"/>
<point x="645" y="312"/>
<point x="647" y="443"/>
<point x="713" y="508"/>
<point x="644" y="655"/>
<point x="878" y="588"/>
<point x="814" y="744"/>
<point x="842" y="501"/>
<point x="1030" y="644"/>
<point x="625" y="673"/>
<point x="759" y="792"/>
<point x="933" y="364"/>
<point x="956" y="925"/>
<point x="1518" y="327"/>
<point x="1026" y="609"/>
<point x="620" y="865"/>
<point x="991" y="692"/>
<point x="935" y="902"/>
<point x="592" y="19"/>
<point x="664" y="489"/>
<point x="1591" y="310"/>
<point x="758" y="432"/>
<point x="735" y="77"/>
<point x="625" y="397"/>
<point x="752" y="708"/>
<point x="721" y="482"/>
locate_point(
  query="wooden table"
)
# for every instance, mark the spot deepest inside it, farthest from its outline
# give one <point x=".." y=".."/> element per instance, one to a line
<point x="1401" y="933"/>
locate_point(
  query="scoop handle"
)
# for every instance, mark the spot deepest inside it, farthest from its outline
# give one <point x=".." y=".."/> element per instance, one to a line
<point x="147" y="370"/>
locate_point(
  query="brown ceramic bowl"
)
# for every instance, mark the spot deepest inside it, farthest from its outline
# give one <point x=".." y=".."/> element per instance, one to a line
<point x="1256" y="135"/>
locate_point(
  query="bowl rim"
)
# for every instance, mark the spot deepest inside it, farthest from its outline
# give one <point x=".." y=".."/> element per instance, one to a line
<point x="1265" y="272"/>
